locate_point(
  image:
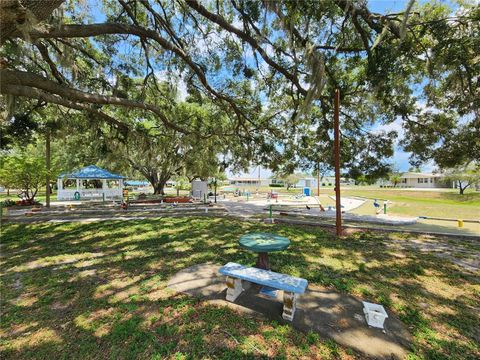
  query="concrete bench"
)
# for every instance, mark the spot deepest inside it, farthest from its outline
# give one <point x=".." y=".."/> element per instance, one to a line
<point x="291" y="286"/>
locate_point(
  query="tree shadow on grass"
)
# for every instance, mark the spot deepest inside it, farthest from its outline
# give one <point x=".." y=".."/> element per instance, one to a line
<point x="136" y="257"/>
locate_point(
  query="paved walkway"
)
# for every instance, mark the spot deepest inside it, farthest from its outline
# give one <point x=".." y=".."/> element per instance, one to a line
<point x="306" y="205"/>
<point x="331" y="314"/>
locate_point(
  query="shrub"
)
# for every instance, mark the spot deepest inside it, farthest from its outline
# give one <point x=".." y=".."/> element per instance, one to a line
<point x="276" y="185"/>
<point x="7" y="203"/>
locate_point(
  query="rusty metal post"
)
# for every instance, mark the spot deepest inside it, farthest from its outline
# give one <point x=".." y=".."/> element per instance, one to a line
<point x="318" y="178"/>
<point x="47" y="164"/>
<point x="336" y="129"/>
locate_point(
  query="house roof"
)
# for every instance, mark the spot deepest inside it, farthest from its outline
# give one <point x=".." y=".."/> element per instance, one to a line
<point x="245" y="179"/>
<point x="415" y="175"/>
<point x="92" y="172"/>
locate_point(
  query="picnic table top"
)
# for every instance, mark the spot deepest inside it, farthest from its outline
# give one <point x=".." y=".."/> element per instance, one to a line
<point x="265" y="277"/>
<point x="264" y="242"/>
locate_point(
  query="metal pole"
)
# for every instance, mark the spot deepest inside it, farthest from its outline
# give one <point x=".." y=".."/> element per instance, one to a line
<point x="318" y="178"/>
<point x="215" y="190"/>
<point x="336" y="129"/>
<point x="47" y="163"/>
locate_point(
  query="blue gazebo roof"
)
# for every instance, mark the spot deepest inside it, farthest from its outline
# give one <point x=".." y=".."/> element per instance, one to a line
<point x="92" y="172"/>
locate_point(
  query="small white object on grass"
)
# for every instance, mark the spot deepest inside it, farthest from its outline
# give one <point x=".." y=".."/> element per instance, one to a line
<point x="375" y="314"/>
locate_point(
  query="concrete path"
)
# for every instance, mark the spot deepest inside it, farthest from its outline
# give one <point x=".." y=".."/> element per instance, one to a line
<point x="243" y="209"/>
<point x="349" y="204"/>
<point x="256" y="206"/>
<point x="331" y="314"/>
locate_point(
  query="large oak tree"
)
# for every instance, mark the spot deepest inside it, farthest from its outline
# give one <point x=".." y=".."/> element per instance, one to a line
<point x="271" y="67"/>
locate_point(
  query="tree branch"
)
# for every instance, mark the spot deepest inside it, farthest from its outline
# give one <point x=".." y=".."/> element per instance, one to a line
<point x="26" y="79"/>
<point x="219" y="20"/>
<point x="46" y="57"/>
<point x="18" y="90"/>
<point x="374" y="21"/>
<point x="90" y="30"/>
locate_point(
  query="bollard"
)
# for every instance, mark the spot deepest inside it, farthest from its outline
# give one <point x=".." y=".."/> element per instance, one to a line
<point x="270" y="211"/>
<point x="204" y="198"/>
<point x="460" y="223"/>
<point x="247" y="196"/>
<point x="103" y="195"/>
<point x="385" y="207"/>
<point x="206" y="210"/>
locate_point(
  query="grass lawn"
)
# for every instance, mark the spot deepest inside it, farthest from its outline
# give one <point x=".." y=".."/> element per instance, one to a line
<point x="97" y="290"/>
<point x="14" y="196"/>
<point x="447" y="204"/>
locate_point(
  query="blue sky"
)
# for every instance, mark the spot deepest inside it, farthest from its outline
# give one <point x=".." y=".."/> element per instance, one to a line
<point x="384" y="6"/>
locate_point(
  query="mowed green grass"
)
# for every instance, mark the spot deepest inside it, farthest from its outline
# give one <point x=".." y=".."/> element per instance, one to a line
<point x="445" y="204"/>
<point x="98" y="290"/>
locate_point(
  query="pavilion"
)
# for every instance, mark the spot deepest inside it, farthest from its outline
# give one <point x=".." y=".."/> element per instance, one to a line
<point x="81" y="191"/>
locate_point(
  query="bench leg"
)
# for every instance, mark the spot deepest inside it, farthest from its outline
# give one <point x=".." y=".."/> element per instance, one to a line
<point x="234" y="288"/>
<point x="289" y="305"/>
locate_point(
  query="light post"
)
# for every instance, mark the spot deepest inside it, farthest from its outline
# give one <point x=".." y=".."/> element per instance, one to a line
<point x="336" y="130"/>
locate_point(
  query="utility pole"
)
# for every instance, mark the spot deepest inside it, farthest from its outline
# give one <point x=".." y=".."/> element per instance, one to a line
<point x="215" y="189"/>
<point x="47" y="163"/>
<point x="336" y="129"/>
<point x="259" y="181"/>
<point x="318" y="178"/>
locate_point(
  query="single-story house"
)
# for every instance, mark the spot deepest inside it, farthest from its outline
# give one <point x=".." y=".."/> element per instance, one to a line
<point x="311" y="182"/>
<point x="422" y="180"/>
<point x="252" y="182"/>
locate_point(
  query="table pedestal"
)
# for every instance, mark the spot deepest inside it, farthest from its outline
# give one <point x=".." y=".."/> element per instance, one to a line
<point x="262" y="261"/>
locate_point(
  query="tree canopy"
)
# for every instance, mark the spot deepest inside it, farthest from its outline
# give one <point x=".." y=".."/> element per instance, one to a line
<point x="269" y="68"/>
<point x="23" y="170"/>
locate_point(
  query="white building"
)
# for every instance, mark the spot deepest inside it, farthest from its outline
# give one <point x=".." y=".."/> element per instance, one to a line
<point x="421" y="180"/>
<point x="251" y="182"/>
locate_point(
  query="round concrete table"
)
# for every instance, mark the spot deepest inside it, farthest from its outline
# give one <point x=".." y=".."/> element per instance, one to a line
<point x="263" y="243"/>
